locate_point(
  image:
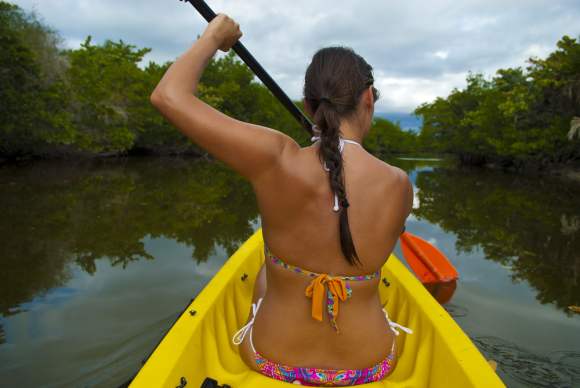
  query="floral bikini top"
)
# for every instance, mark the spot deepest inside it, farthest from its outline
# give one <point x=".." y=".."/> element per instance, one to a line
<point x="336" y="288"/>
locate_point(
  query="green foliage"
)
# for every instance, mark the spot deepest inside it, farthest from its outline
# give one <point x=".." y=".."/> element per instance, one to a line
<point x="386" y="138"/>
<point x="519" y="117"/>
<point x="105" y="89"/>
<point x="518" y="221"/>
<point x="95" y="99"/>
<point x="30" y="81"/>
<point x="230" y="86"/>
<point x="60" y="213"/>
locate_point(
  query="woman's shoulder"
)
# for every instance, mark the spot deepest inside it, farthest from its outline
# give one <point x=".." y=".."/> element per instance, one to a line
<point x="396" y="184"/>
<point x="389" y="174"/>
<point x="397" y="175"/>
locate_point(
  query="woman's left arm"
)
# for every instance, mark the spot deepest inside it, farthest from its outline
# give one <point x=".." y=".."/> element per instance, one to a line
<point x="249" y="149"/>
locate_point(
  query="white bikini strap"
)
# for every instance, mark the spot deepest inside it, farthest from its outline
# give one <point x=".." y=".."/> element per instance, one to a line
<point x="240" y="334"/>
<point x="394" y="325"/>
<point x="349" y="141"/>
<point x="251" y="340"/>
<point x="341" y="142"/>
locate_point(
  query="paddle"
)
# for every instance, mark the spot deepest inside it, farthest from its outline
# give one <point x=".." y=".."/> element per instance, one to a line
<point x="208" y="14"/>
<point x="430" y="266"/>
<point x="428" y="263"/>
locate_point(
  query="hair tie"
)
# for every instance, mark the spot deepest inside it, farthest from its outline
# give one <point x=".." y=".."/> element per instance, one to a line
<point x="325" y="99"/>
<point x="316" y="133"/>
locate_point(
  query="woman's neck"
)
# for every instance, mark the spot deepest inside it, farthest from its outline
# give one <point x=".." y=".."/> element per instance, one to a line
<point x="351" y="131"/>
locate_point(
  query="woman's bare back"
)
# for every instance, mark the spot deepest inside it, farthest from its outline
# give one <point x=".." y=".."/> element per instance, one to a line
<point x="300" y="227"/>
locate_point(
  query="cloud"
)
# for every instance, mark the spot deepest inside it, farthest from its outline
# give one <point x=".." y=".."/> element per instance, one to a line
<point x="441" y="54"/>
<point x="402" y="94"/>
<point x="419" y="49"/>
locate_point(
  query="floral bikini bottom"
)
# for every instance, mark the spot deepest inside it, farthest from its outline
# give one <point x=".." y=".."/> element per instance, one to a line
<point x="337" y="291"/>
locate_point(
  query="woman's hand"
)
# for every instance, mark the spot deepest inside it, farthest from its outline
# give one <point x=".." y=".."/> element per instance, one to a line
<point x="224" y="30"/>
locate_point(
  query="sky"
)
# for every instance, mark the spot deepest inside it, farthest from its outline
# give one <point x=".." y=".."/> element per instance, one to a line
<point x="419" y="49"/>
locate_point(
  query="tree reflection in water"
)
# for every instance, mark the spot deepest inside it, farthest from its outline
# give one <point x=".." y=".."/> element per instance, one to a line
<point x="59" y="212"/>
<point x="60" y="218"/>
<point x="531" y="225"/>
<point x="55" y="213"/>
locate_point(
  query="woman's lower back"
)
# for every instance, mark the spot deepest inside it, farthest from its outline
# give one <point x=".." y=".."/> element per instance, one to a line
<point x="285" y="332"/>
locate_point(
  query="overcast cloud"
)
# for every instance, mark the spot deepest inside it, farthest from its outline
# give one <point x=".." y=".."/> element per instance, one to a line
<point x="419" y="49"/>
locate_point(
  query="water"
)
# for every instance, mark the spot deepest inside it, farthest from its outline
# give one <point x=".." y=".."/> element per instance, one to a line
<point x="98" y="259"/>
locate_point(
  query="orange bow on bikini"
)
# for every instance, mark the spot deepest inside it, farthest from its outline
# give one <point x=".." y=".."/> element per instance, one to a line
<point x="336" y="292"/>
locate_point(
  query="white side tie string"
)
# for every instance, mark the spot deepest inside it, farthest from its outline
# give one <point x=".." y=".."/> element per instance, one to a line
<point x="240" y="334"/>
<point x="394" y="325"/>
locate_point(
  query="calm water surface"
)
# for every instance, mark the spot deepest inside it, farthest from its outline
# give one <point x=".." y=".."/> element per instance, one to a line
<point x="97" y="259"/>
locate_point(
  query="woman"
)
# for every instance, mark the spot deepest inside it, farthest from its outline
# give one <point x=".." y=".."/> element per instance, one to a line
<point x="331" y="215"/>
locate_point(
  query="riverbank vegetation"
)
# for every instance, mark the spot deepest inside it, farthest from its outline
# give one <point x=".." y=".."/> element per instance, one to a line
<point x="94" y="101"/>
<point x="519" y="118"/>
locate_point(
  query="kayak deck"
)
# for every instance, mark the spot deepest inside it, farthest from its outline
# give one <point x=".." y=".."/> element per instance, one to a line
<point x="437" y="354"/>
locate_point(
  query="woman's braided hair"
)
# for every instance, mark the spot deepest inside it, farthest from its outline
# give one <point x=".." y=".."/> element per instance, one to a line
<point x="334" y="82"/>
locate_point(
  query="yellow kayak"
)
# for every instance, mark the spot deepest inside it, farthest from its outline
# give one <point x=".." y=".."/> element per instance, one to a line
<point x="437" y="354"/>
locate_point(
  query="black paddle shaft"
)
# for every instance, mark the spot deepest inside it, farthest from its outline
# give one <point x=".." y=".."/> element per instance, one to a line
<point x="208" y="14"/>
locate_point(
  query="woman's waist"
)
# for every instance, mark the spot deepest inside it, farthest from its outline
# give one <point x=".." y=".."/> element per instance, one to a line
<point x="286" y="331"/>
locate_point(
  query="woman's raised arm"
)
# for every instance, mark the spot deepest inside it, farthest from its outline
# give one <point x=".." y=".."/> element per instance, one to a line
<point x="247" y="148"/>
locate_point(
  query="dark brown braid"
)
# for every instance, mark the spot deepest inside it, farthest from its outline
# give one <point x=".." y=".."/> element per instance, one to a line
<point x="334" y="82"/>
